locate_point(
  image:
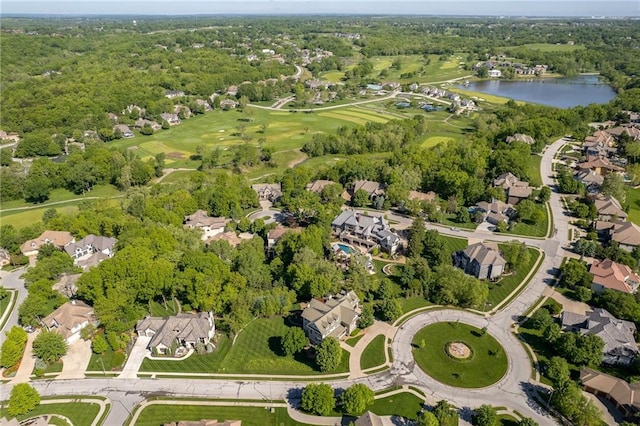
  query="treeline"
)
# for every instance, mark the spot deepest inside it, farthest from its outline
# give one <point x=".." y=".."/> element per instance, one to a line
<point x="373" y="137"/>
<point x="99" y="73"/>
<point x="78" y="173"/>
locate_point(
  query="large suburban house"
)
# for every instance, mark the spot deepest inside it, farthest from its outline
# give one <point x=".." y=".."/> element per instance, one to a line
<point x="482" y="260"/>
<point x="268" y="191"/>
<point x="590" y="179"/>
<point x="205" y="422"/>
<point x="60" y="239"/>
<point x="496" y="211"/>
<point x="185" y="330"/>
<point x="508" y="180"/>
<point x="170" y="118"/>
<point x="69" y="319"/>
<point x="626" y="234"/>
<point x="609" y="209"/>
<point x="600" y="165"/>
<point x="91" y="250"/>
<point x="210" y="226"/>
<point x="335" y="316"/>
<point x="373" y="189"/>
<point x="610" y="275"/>
<point x="318" y="185"/>
<point x="623" y="395"/>
<point x="124" y="130"/>
<point x="519" y="137"/>
<point x="141" y="122"/>
<point x="620" y="347"/>
<point x="427" y="197"/>
<point x="366" y="230"/>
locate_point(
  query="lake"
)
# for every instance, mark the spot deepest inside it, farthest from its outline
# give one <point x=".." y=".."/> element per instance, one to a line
<point x="558" y="92"/>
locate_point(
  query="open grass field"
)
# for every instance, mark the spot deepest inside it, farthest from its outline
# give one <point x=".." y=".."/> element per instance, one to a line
<point x="454" y="244"/>
<point x="548" y="47"/>
<point x="373" y="354"/>
<point x="481" y="98"/>
<point x="80" y="413"/>
<point x="59" y="194"/>
<point x="403" y="404"/>
<point x="500" y="290"/>
<point x="156" y="415"/>
<point x="486" y="365"/>
<point x="256" y="351"/>
<point x="21" y="218"/>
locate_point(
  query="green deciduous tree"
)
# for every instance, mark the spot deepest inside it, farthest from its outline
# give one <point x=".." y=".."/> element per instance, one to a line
<point x="360" y="198"/>
<point x="485" y="415"/>
<point x="356" y="398"/>
<point x="13" y="347"/>
<point x="99" y="345"/>
<point x="293" y="341"/>
<point x="557" y="369"/>
<point x="328" y="354"/>
<point x="366" y="317"/>
<point x="614" y="186"/>
<point x="49" y="346"/>
<point x="23" y="398"/>
<point x="427" y="418"/>
<point x="318" y="398"/>
<point x="527" y="421"/>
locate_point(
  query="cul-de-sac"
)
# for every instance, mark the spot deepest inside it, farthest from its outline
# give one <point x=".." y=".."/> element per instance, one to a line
<point x="291" y="213"/>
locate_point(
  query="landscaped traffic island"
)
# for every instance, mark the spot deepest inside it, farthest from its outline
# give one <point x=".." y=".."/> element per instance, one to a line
<point x="459" y="355"/>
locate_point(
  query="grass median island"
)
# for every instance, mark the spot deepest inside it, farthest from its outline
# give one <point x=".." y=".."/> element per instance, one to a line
<point x="80" y="413"/>
<point x="373" y="354"/>
<point x="155" y="415"/>
<point x="485" y="366"/>
<point x="403" y="404"/>
<point x="256" y="351"/>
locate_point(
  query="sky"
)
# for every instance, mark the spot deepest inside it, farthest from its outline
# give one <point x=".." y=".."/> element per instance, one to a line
<point x="582" y="8"/>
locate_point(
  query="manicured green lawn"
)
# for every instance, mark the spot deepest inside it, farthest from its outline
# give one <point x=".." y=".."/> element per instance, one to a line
<point x="538" y="229"/>
<point x="4" y="304"/>
<point x="80" y="413"/>
<point x="373" y="354"/>
<point x="533" y="170"/>
<point x="60" y="194"/>
<point x="207" y="363"/>
<point x="480" y="97"/>
<point x="177" y="176"/>
<point x="498" y="291"/>
<point x="156" y="415"/>
<point x="487" y="364"/>
<point x="21" y="218"/>
<point x="454" y="244"/>
<point x="449" y="220"/>
<point x="411" y="303"/>
<point x="256" y="351"/>
<point x="633" y="200"/>
<point x="106" y="362"/>
<point x="354" y="340"/>
<point x="55" y="367"/>
<point x="157" y="309"/>
<point x="404" y="404"/>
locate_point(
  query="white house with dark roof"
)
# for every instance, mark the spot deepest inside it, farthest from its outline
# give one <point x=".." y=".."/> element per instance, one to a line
<point x="335" y="316"/>
<point x="620" y="347"/>
<point x="268" y="191"/>
<point x="185" y="330"/>
<point x="91" y="250"/>
<point x="170" y="118"/>
<point x="482" y="260"/>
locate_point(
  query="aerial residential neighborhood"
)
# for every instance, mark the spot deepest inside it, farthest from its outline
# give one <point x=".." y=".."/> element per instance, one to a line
<point x="274" y="218"/>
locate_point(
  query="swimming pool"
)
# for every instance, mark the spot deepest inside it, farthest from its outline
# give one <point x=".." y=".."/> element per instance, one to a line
<point x="347" y="249"/>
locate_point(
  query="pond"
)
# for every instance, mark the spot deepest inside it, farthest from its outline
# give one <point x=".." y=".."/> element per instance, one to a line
<point x="563" y="92"/>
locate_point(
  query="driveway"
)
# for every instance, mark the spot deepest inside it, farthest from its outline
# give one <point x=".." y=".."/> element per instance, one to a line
<point x="76" y="361"/>
<point x="138" y="353"/>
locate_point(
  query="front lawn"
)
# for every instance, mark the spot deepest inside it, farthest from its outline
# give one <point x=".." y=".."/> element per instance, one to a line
<point x="373" y="354"/>
<point x="403" y="404"/>
<point x="538" y="229"/>
<point x="155" y="415"/>
<point x="633" y="200"/>
<point x="256" y="351"/>
<point x="485" y="366"/>
<point x="79" y="413"/>
<point x="498" y="291"/>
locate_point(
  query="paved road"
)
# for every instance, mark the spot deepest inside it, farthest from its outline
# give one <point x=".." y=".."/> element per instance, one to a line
<point x="12" y="280"/>
<point x="511" y="391"/>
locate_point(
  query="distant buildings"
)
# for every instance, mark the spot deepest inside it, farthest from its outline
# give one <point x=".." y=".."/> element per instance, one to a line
<point x="60" y="239"/>
<point x="210" y="226"/>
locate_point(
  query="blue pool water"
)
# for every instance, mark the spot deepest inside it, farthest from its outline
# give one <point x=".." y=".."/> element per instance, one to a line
<point x="346" y="249"/>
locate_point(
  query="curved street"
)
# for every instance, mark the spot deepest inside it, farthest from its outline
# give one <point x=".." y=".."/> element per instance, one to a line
<point x="511" y="390"/>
